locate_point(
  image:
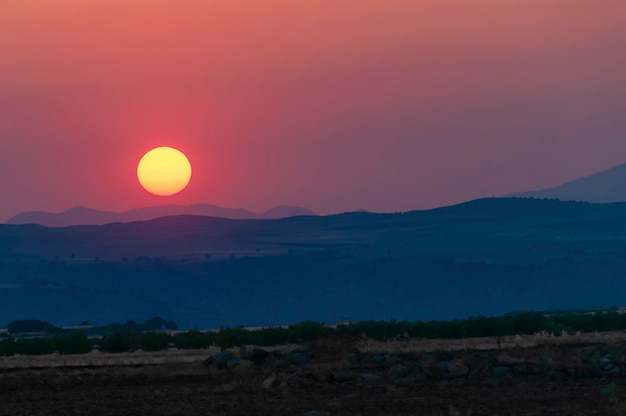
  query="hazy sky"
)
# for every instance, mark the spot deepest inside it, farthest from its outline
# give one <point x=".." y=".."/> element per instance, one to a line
<point x="334" y="105"/>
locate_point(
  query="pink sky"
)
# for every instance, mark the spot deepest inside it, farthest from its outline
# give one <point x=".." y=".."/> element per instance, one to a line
<point x="333" y="105"/>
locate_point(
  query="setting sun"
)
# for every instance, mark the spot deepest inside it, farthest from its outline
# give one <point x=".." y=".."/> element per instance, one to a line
<point x="164" y="171"/>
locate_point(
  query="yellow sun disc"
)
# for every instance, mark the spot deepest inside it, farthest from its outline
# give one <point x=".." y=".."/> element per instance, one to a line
<point x="164" y="171"/>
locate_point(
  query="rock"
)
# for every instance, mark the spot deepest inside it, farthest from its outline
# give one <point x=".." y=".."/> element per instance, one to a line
<point x="501" y="371"/>
<point x="222" y="356"/>
<point x="381" y="357"/>
<point x="528" y="368"/>
<point x="302" y="379"/>
<point x="258" y="356"/>
<point x="370" y="378"/>
<point x="343" y="378"/>
<point x="404" y="381"/>
<point x="398" y="371"/>
<point x="572" y="364"/>
<point x="297" y="357"/>
<point x="479" y="369"/>
<point x="270" y="383"/>
<point x="457" y="369"/>
<point x="280" y="364"/>
<point x="443" y="366"/>
<point x="236" y="362"/>
<point x="322" y="373"/>
<point x="432" y="370"/>
<point x="219" y="359"/>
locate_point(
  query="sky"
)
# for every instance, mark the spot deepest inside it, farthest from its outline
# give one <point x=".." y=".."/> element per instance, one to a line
<point x="333" y="105"/>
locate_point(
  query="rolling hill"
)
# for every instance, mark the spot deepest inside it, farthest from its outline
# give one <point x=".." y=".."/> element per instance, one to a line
<point x="482" y="257"/>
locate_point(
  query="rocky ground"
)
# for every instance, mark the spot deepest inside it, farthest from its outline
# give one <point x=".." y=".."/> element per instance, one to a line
<point x="331" y="378"/>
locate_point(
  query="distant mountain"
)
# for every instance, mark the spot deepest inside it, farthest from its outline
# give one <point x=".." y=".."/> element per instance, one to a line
<point x="603" y="187"/>
<point x="482" y="257"/>
<point x="86" y="216"/>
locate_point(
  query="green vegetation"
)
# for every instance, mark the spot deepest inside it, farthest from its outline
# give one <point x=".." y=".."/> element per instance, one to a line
<point x="154" y="341"/>
<point x="73" y="344"/>
<point x="132" y="336"/>
<point x="36" y="346"/>
<point x="120" y="342"/>
<point x="194" y="340"/>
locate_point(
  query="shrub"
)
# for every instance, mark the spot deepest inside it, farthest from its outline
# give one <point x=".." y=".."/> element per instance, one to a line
<point x="270" y="336"/>
<point x="73" y="344"/>
<point x="232" y="337"/>
<point x="154" y="341"/>
<point x="194" y="340"/>
<point x="119" y="342"/>
<point x="8" y="348"/>
<point x="35" y="346"/>
<point x="305" y="331"/>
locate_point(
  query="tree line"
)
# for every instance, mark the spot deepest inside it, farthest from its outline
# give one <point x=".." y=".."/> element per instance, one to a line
<point x="152" y="335"/>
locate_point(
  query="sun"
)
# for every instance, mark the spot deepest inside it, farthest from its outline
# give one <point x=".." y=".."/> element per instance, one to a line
<point x="164" y="171"/>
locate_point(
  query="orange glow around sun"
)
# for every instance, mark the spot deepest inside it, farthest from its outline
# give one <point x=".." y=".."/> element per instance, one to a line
<point x="164" y="171"/>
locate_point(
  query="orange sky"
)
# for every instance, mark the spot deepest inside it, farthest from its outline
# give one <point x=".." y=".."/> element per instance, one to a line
<point x="333" y="105"/>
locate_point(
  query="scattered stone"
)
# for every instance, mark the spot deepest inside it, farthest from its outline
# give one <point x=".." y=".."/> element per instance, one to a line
<point x="270" y="383"/>
<point x="456" y="369"/>
<point x="370" y="378"/>
<point x="432" y="370"/>
<point x="501" y="371"/>
<point x="237" y="362"/>
<point x="342" y="378"/>
<point x="398" y="371"/>
<point x="479" y="369"/>
<point x="381" y="357"/>
<point x="222" y="356"/>
<point x="571" y="364"/>
<point x="528" y="368"/>
<point x="219" y="359"/>
<point x="405" y="381"/>
<point x="298" y="356"/>
<point x="258" y="356"/>
<point x="443" y="366"/>
<point x="322" y="373"/>
<point x="280" y="364"/>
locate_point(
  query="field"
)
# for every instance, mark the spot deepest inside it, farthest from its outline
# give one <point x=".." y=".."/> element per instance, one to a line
<point x="529" y="375"/>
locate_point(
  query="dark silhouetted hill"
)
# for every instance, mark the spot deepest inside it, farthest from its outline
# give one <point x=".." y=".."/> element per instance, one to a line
<point x="604" y="187"/>
<point x="483" y="257"/>
<point x="86" y="216"/>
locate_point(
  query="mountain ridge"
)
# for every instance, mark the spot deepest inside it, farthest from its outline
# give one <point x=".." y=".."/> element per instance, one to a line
<point x="605" y="186"/>
<point x="81" y="215"/>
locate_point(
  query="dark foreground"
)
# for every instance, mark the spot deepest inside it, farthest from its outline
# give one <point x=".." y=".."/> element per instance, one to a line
<point x="360" y="387"/>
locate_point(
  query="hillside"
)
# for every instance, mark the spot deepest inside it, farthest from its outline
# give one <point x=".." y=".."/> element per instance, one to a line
<point x="488" y="257"/>
<point x="603" y="187"/>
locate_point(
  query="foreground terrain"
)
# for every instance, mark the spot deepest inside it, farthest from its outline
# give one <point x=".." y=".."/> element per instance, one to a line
<point x="190" y="391"/>
<point x="331" y="376"/>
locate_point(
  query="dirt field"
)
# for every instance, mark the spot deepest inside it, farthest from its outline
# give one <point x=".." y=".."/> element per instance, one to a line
<point x="189" y="390"/>
<point x="555" y="380"/>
